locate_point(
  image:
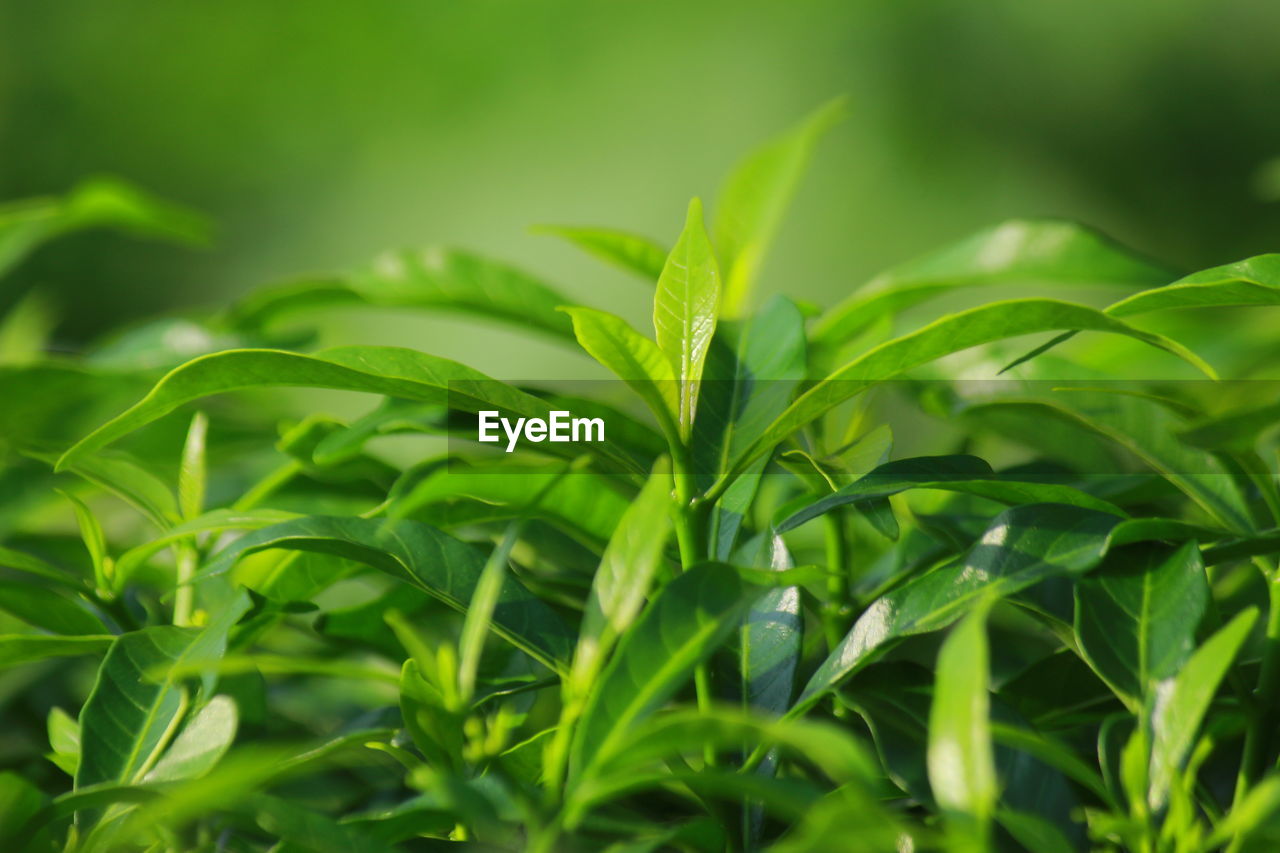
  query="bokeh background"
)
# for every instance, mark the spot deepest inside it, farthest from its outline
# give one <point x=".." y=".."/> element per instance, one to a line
<point x="317" y="134"/>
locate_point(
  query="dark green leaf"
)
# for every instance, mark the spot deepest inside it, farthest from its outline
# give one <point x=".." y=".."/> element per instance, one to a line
<point x="965" y="474"/>
<point x="1136" y="616"/>
<point x="44" y="608"/>
<point x="136" y="703"/>
<point x="680" y="628"/>
<point x="423" y="556"/>
<point x="771" y="633"/>
<point x="18" y="649"/>
<point x="1022" y="546"/>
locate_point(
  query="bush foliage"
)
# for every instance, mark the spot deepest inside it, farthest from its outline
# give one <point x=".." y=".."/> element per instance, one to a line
<point x="1045" y="617"/>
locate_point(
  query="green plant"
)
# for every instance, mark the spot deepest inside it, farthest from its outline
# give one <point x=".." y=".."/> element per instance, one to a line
<point x="727" y="627"/>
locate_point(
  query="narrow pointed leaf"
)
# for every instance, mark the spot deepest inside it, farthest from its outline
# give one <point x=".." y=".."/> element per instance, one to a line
<point x="685" y="306"/>
<point x="964" y="474"/>
<point x="1022" y="251"/>
<point x="582" y="501"/>
<point x="756" y="196"/>
<point x="1254" y="281"/>
<point x="99" y="203"/>
<point x="52" y="611"/>
<point x="627" y="569"/>
<point x="947" y="335"/>
<point x="16" y="649"/>
<point x="435" y="278"/>
<point x="634" y="359"/>
<point x="749" y="379"/>
<point x="962" y="770"/>
<point x="1149" y="431"/>
<point x="422" y="556"/>
<point x="631" y="252"/>
<point x="390" y="371"/>
<point x="1182" y="701"/>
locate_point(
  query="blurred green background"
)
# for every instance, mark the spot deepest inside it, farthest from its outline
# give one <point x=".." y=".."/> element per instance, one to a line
<point x="317" y="134"/>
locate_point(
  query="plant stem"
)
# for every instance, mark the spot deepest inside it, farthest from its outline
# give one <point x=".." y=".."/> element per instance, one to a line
<point x="691" y="524"/>
<point x="836" y="606"/>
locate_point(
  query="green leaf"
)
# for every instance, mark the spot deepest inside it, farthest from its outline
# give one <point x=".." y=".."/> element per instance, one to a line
<point x="64" y="740"/>
<point x="679" y="629"/>
<point x="960" y="473"/>
<point x="391" y="371"/>
<point x="480" y="610"/>
<point x="422" y="556"/>
<point x="48" y="406"/>
<point x="684" y="311"/>
<point x="434" y="279"/>
<point x="756" y="195"/>
<point x="1022" y="546"/>
<point x="1235" y="430"/>
<point x="136" y="703"/>
<point x="95" y="541"/>
<point x="962" y="770"/>
<point x="98" y="203"/>
<point x="390" y="417"/>
<point x="32" y="565"/>
<point x="1034" y="832"/>
<point x="1253" y="281"/>
<point x="1022" y="252"/>
<point x="214" y="521"/>
<point x="579" y="501"/>
<point x="20" y="802"/>
<point x="750" y="379"/>
<point x="1136" y="616"/>
<point x="1254" y="816"/>
<point x="192" y="475"/>
<point x="627" y="569"/>
<point x="770" y="635"/>
<point x="52" y="611"/>
<point x="632" y="252"/>
<point x="122" y="474"/>
<point x="1148" y="430"/>
<point x="18" y="649"/>
<point x="633" y="358"/>
<point x="201" y="744"/>
<point x="829" y="747"/>
<point x="1182" y="700"/>
<point x="947" y="335"/>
